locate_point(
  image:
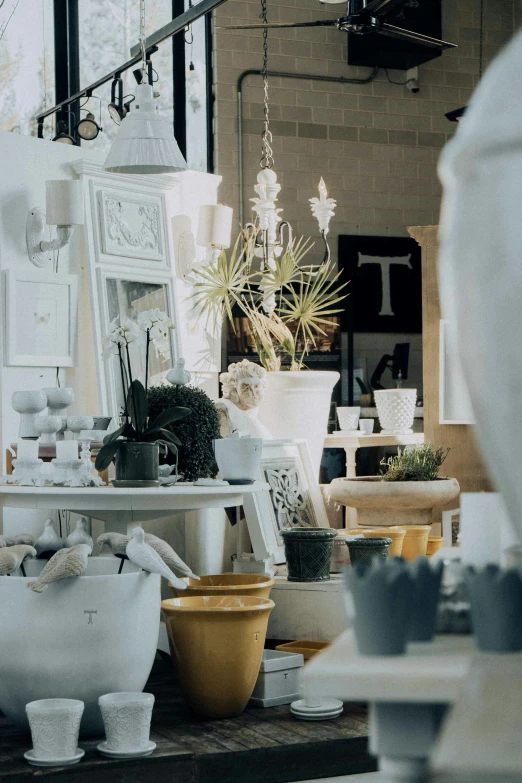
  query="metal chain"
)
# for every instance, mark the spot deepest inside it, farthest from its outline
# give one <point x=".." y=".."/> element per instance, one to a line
<point x="142" y="41"/>
<point x="481" y="39"/>
<point x="267" y="155"/>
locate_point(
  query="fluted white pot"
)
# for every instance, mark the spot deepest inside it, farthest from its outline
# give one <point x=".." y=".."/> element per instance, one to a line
<point x="297" y="405"/>
<point x="81" y="638"/>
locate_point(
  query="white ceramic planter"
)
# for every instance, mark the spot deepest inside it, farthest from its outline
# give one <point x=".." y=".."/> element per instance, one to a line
<point x="383" y="503"/>
<point x="83" y="637"/>
<point x="238" y="458"/>
<point x="297" y="405"/>
<point x="396" y="409"/>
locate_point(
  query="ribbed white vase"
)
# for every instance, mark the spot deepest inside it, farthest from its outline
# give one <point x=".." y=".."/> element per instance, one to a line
<point x="396" y="409"/>
<point x="297" y="405"/>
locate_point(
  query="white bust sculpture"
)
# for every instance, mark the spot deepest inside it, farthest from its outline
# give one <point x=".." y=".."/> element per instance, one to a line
<point x="243" y="389"/>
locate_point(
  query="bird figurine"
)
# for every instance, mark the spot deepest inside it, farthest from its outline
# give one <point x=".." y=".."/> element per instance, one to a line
<point x="12" y="557"/>
<point x="178" y="376"/>
<point x="118" y="544"/>
<point x="49" y="542"/>
<point x="64" y="564"/>
<point x="143" y="555"/>
<point x="19" y="538"/>
<point x="80" y="535"/>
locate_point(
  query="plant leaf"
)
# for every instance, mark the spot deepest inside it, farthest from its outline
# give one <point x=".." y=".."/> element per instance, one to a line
<point x="114" y="435"/>
<point x="171" y="437"/>
<point x="106" y="454"/>
<point x="167" y="417"/>
<point x="138" y="406"/>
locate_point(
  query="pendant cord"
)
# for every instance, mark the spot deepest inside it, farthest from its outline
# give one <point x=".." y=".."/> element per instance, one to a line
<point x="481" y="39"/>
<point x="267" y="155"/>
<point x="142" y="42"/>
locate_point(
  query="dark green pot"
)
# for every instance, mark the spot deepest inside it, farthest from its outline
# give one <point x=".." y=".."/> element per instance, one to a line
<point x="308" y="551"/>
<point x="363" y="550"/>
<point x="137" y="462"/>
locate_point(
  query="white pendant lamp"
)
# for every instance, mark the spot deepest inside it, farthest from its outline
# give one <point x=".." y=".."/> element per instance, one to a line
<point x="145" y="143"/>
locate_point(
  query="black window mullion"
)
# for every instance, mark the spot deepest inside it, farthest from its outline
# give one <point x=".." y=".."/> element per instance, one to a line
<point x="67" y="58"/>
<point x="210" y="93"/>
<point x="179" y="88"/>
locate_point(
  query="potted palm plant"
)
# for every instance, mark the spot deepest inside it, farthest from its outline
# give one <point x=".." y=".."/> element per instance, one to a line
<point x="136" y="444"/>
<point x="303" y="300"/>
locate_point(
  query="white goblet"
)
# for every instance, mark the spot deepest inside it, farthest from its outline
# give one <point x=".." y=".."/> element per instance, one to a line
<point x="28" y="404"/>
<point x="47" y="427"/>
<point x="78" y="423"/>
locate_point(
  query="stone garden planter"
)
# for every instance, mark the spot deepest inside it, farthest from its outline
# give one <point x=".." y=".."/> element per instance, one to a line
<point x="383" y="503"/>
<point x="81" y="638"/>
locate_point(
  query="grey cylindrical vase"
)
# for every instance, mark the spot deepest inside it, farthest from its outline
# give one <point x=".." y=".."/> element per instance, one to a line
<point x="308" y="551"/>
<point x="364" y="550"/>
<point x="137" y="461"/>
<point x="383" y="598"/>
<point x="496" y="608"/>
<point x="426" y="579"/>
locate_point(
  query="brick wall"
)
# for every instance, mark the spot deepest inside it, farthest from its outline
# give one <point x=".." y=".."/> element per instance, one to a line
<point x="376" y="145"/>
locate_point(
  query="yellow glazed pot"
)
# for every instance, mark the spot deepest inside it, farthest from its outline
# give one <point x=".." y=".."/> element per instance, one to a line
<point x="217" y="644"/>
<point x="257" y="585"/>
<point x="395" y="533"/>
<point x="434" y="544"/>
<point x="415" y="541"/>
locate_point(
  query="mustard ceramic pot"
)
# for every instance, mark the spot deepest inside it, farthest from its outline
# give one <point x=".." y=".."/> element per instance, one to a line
<point x="415" y="541"/>
<point x="258" y="585"/>
<point x="217" y="644"/>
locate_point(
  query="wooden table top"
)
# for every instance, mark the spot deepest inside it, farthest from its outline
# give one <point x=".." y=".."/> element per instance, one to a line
<point x="261" y="746"/>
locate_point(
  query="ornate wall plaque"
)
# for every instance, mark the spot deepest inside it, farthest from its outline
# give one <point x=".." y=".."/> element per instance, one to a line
<point x="131" y="226"/>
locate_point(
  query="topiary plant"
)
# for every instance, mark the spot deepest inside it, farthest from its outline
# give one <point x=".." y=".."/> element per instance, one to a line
<point x="196" y="431"/>
<point x="420" y="463"/>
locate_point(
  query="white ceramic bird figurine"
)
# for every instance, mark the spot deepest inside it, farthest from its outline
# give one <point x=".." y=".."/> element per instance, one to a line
<point x="178" y="376"/>
<point x="49" y="541"/>
<point x="64" y="564"/>
<point x="19" y="538"/>
<point x="12" y="557"/>
<point x="118" y="544"/>
<point x="143" y="555"/>
<point x="80" y="535"/>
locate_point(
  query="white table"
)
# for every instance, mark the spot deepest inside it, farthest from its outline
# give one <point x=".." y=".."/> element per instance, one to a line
<point x="351" y="442"/>
<point x="408" y="695"/>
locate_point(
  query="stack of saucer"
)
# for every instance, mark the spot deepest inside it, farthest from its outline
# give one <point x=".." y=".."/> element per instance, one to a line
<point x="308" y="709"/>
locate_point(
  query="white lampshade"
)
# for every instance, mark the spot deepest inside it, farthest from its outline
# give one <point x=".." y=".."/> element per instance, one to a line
<point x="214" y="226"/>
<point x="64" y="202"/>
<point x="145" y="143"/>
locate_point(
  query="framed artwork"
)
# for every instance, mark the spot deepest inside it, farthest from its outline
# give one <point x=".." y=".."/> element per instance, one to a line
<point x="122" y="295"/>
<point x="41" y="312"/>
<point x="132" y="224"/>
<point x="293" y="499"/>
<point x="451" y="527"/>
<point x="385" y="284"/>
<point x="454" y="401"/>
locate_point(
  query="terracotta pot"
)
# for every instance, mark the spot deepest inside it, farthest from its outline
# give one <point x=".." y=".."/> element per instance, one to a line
<point x="383" y="503"/>
<point x="434" y="544"/>
<point x="395" y="533"/>
<point x="297" y="405"/>
<point x="364" y="550"/>
<point x="308" y="551"/>
<point x="253" y="585"/>
<point x="217" y="644"/>
<point x="415" y="541"/>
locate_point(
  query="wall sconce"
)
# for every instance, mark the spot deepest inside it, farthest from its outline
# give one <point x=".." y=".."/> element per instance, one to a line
<point x="214" y="228"/>
<point x="64" y="209"/>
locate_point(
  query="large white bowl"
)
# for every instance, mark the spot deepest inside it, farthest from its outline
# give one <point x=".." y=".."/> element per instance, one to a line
<point x="81" y="638"/>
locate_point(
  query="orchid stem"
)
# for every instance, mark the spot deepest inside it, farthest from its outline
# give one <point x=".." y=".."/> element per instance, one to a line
<point x="147" y="362"/>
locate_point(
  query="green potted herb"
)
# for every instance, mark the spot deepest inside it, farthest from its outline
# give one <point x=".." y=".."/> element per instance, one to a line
<point x="136" y="444"/>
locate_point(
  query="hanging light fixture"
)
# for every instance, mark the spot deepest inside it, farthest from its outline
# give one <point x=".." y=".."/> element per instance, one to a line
<point x="118" y="110"/>
<point x="145" y="143"/>
<point x="269" y="233"/>
<point x="87" y="127"/>
<point x="63" y="135"/>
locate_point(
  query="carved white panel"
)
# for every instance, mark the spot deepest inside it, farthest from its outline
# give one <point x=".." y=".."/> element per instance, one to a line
<point x="131" y="225"/>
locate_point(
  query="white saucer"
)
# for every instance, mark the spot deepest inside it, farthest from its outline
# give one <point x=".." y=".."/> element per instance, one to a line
<point x="36" y="762"/>
<point x="125" y="754"/>
<point x="330" y="708"/>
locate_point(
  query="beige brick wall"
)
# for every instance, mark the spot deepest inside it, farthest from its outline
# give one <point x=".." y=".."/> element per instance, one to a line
<point x="376" y="145"/>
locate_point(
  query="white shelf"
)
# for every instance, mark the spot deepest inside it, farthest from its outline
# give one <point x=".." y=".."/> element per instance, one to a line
<point x="431" y="673"/>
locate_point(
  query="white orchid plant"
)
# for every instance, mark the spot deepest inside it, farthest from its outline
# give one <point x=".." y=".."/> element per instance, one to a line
<point x="136" y="427"/>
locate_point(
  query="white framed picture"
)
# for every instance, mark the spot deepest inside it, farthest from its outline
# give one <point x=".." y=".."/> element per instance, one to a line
<point x="41" y="312"/>
<point x="454" y="401"/>
<point x="294" y="498"/>
<point x="124" y="294"/>
<point x="132" y="226"/>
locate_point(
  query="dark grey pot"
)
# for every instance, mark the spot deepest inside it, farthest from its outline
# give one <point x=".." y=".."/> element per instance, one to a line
<point x="383" y="597"/>
<point x="308" y="551"/>
<point x="426" y="579"/>
<point x="496" y="608"/>
<point x="363" y="550"/>
<point x="137" y="462"/>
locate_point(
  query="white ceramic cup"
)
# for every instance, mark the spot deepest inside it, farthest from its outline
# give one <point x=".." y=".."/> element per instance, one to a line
<point x="238" y="458"/>
<point x="348" y="417"/>
<point x="55" y="724"/>
<point x="126" y="717"/>
<point x="366" y="426"/>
